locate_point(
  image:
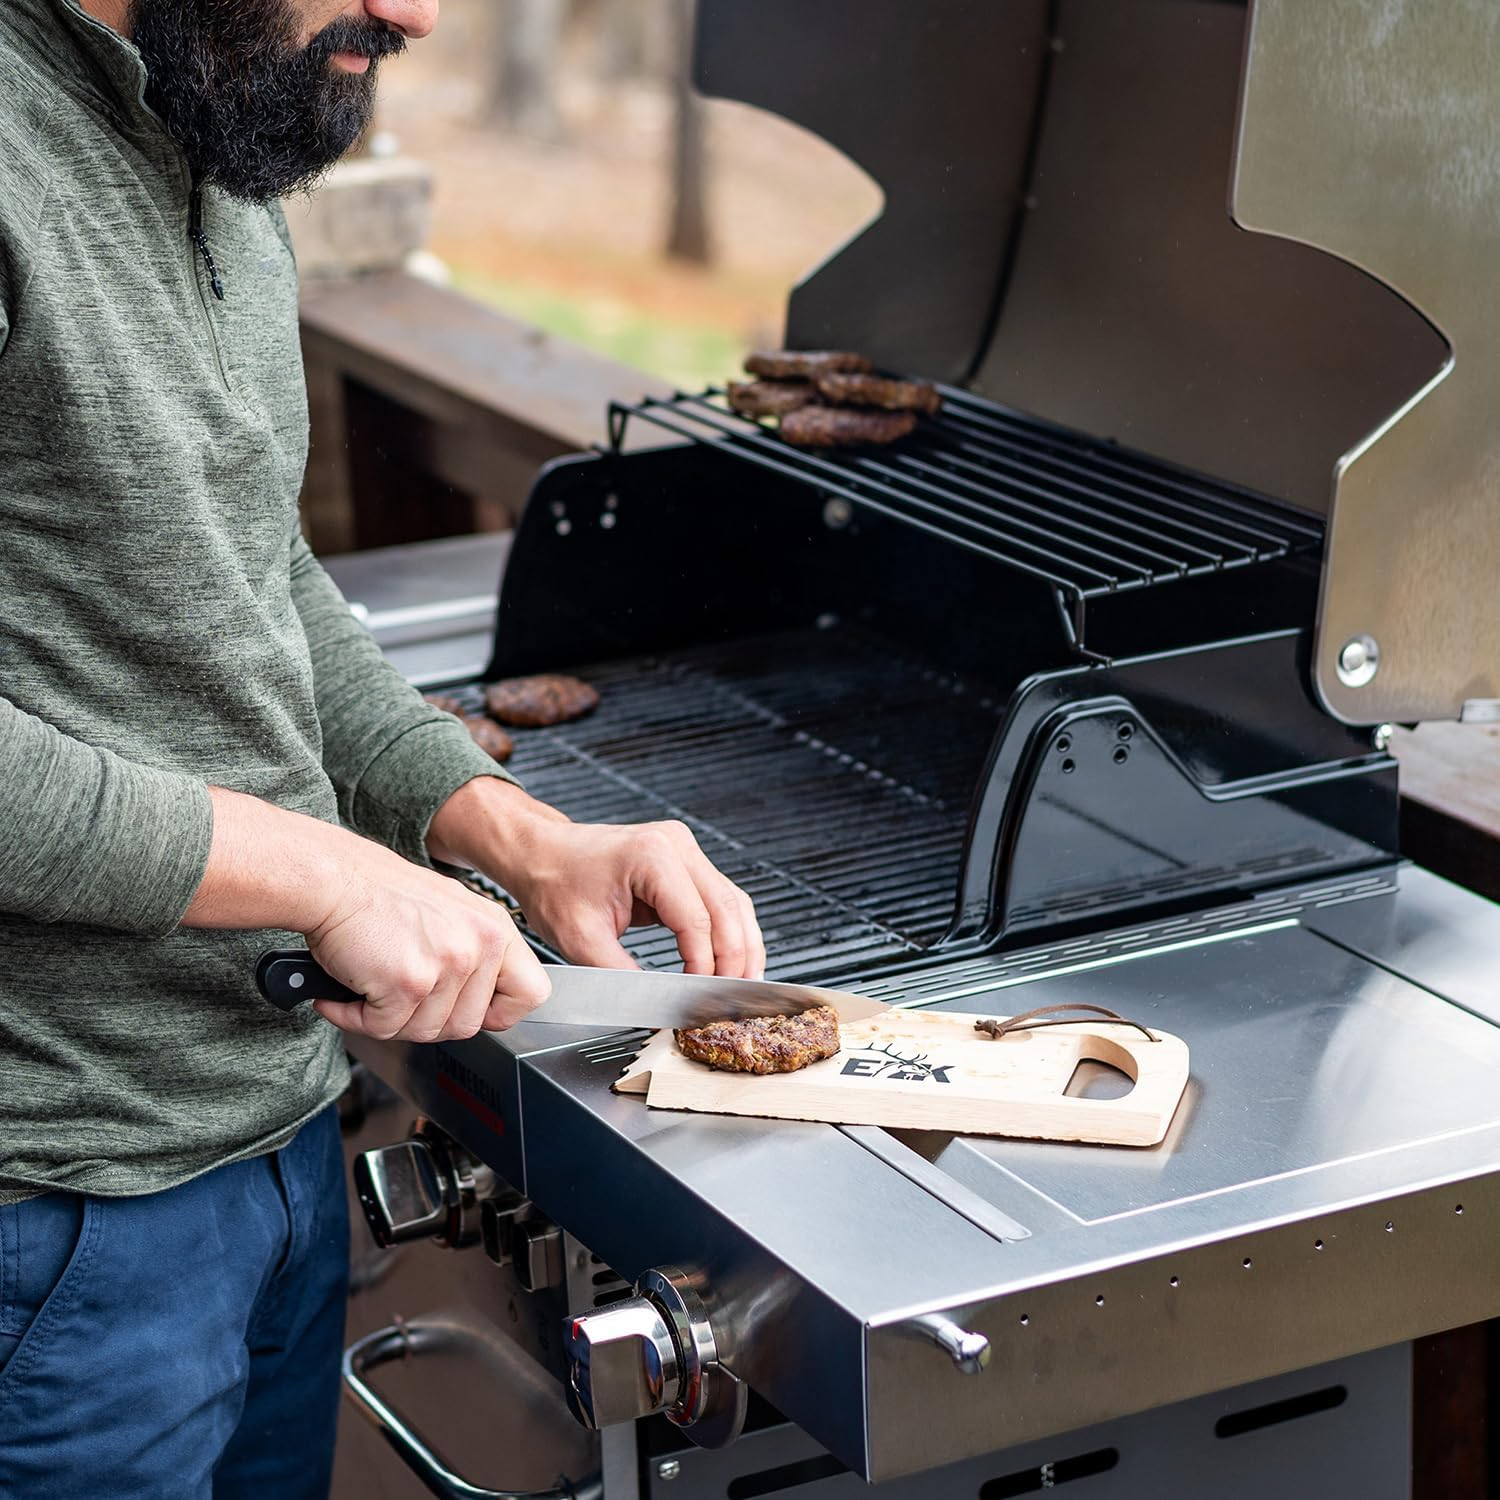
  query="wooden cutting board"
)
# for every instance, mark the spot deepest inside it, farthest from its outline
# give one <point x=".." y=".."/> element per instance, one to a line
<point x="930" y="1070"/>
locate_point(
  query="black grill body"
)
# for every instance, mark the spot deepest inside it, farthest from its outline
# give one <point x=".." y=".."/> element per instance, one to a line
<point x="942" y="696"/>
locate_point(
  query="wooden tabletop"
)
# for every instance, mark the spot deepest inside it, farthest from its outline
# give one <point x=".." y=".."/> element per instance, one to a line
<point x="1450" y="801"/>
<point x="454" y="351"/>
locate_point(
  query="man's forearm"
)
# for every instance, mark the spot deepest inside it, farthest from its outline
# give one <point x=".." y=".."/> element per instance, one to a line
<point x="487" y="825"/>
<point x="267" y="867"/>
<point x="431" y="960"/>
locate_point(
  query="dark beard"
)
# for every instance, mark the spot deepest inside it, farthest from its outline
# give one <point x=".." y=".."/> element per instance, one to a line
<point x="255" y="112"/>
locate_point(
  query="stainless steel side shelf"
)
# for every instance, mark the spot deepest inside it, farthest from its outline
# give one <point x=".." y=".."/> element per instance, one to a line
<point x="1331" y="1185"/>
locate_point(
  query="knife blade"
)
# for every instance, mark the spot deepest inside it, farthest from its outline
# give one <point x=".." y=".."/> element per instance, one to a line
<point x="617" y="998"/>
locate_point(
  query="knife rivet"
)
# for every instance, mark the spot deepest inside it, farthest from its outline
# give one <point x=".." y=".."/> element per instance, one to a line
<point x="295" y="981"/>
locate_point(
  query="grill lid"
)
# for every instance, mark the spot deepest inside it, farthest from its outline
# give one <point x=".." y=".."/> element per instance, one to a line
<point x="1055" y="237"/>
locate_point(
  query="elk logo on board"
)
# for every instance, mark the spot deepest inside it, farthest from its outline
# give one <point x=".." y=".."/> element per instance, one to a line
<point x="885" y="1062"/>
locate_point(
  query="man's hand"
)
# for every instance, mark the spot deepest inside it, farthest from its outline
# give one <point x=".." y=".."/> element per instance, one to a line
<point x="434" y="961"/>
<point x="582" y="884"/>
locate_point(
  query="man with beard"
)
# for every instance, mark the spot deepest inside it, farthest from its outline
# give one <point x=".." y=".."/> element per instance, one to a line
<point x="202" y="755"/>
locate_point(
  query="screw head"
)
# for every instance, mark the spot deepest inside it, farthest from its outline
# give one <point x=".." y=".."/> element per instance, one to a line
<point x="668" y="1468"/>
<point x="1359" y="660"/>
<point x="837" y="513"/>
<point x="1381" y="738"/>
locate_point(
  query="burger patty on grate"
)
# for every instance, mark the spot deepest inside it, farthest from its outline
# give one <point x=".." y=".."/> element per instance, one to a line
<point x="769" y="398"/>
<point x="533" y="702"/>
<point x="764" y="1044"/>
<point x="489" y="736"/>
<point x="844" y="426"/>
<point x="876" y="390"/>
<point x="803" y="364"/>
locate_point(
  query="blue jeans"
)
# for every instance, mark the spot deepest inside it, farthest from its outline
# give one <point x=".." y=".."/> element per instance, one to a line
<point x="182" y="1345"/>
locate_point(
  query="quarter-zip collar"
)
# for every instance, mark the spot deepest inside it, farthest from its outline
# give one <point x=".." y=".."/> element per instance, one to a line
<point x="90" y="60"/>
<point x="96" y="65"/>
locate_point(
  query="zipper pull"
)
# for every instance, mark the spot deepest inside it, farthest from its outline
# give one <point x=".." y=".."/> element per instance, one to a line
<point x="197" y="236"/>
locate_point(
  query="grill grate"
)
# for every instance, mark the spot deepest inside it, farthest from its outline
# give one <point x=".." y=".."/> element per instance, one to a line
<point x="1082" y="515"/>
<point x="820" y="769"/>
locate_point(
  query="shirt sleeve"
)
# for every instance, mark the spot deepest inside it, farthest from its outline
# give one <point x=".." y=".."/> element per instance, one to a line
<point x="88" y="836"/>
<point x="393" y="759"/>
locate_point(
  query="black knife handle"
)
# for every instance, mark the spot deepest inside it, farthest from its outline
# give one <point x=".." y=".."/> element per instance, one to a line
<point x="288" y="976"/>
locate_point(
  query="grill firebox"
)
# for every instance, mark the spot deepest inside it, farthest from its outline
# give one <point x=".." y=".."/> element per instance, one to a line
<point x="863" y="679"/>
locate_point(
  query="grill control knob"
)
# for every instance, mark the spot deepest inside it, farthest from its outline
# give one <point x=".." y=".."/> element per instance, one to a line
<point x="622" y="1363"/>
<point x="654" y="1353"/>
<point x="401" y="1195"/>
<point x="425" y="1187"/>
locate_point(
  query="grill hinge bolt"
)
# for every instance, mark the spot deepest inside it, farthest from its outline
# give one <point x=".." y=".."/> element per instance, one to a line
<point x="1381" y="739"/>
<point x="1359" y="660"/>
<point x="668" y="1469"/>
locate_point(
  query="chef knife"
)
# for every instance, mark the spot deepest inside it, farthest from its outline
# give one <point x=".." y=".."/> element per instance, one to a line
<point x="581" y="996"/>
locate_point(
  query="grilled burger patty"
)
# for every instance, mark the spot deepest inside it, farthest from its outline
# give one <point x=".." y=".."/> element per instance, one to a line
<point x="447" y="703"/>
<point x="533" y="702"/>
<point x="803" y="364"/>
<point x="765" y="1044"/>
<point x="769" y="398"/>
<point x="845" y="389"/>
<point x="489" y="736"/>
<point x="844" y="426"/>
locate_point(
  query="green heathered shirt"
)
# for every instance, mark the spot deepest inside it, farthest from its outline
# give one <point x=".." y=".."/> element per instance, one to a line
<point x="163" y="629"/>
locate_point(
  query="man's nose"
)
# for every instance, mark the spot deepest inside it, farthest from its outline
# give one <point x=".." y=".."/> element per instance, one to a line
<point x="412" y="18"/>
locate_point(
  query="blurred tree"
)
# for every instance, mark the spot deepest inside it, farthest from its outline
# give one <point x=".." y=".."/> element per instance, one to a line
<point x="687" y="232"/>
<point x="525" y="56"/>
<point x="635" y="38"/>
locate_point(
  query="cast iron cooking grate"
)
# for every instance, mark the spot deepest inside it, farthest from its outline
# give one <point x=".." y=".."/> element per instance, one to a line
<point x="1085" y="516"/>
<point x="827" y="774"/>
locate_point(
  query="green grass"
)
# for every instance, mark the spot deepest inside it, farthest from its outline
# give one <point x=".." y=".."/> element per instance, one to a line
<point x="687" y="354"/>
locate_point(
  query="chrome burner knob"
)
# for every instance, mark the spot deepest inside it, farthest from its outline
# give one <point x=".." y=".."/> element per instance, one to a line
<point x="622" y="1363"/>
<point x="425" y="1187"/>
<point x="655" y="1353"/>
<point x="401" y="1192"/>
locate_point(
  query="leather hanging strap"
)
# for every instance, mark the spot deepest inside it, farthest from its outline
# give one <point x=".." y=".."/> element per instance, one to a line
<point x="1032" y="1020"/>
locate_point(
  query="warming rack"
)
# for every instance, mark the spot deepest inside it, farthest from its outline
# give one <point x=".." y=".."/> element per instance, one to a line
<point x="1082" y="515"/>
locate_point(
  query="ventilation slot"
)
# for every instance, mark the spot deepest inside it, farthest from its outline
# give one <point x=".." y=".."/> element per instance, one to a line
<point x="785" y="1477"/>
<point x="1237" y="1424"/>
